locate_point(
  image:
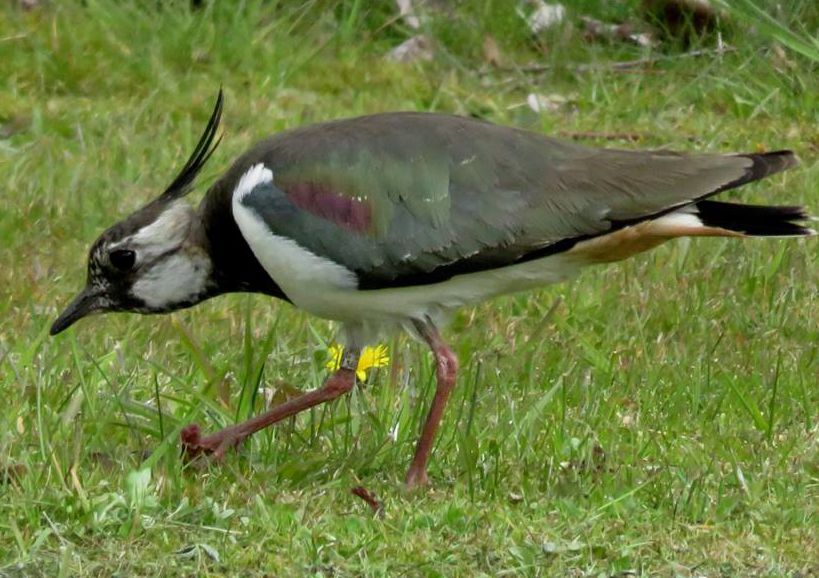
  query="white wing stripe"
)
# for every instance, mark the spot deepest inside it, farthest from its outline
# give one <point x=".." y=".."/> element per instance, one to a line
<point x="300" y="273"/>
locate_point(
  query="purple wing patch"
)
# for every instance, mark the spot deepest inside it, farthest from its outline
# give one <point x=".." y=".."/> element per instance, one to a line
<point x="352" y="213"/>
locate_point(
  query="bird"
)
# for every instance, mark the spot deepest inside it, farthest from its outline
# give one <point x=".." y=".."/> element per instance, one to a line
<point x="392" y="221"/>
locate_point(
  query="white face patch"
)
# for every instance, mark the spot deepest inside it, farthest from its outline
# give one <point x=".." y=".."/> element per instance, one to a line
<point x="177" y="279"/>
<point x="166" y="233"/>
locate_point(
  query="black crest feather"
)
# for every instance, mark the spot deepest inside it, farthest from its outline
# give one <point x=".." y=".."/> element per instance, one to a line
<point x="181" y="185"/>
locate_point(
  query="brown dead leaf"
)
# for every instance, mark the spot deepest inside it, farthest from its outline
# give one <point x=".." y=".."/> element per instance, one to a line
<point x="491" y="53"/>
<point x="223" y="390"/>
<point x="594" y="29"/>
<point x="545" y="16"/>
<point x="281" y="392"/>
<point x="409" y="13"/>
<point x="411" y="50"/>
<point x="780" y="59"/>
<point x="14" y="125"/>
<point x="12" y="473"/>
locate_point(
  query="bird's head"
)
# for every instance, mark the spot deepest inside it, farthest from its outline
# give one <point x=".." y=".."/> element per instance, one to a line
<point x="155" y="260"/>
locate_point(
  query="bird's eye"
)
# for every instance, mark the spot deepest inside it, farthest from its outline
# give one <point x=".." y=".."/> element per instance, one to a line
<point x="122" y="259"/>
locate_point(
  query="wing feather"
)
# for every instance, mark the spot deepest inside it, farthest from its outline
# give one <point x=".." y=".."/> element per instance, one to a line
<point x="411" y="198"/>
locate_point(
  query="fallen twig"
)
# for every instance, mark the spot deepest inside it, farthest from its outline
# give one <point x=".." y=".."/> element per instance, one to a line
<point x="14" y="37"/>
<point x="627" y="136"/>
<point x="582" y="135"/>
<point x="620" y="65"/>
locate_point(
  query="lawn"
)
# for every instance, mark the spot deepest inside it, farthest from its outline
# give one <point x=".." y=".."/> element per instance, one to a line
<point x="653" y="417"/>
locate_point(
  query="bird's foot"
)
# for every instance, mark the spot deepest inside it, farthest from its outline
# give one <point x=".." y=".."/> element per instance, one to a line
<point x="214" y="446"/>
<point x="416" y="478"/>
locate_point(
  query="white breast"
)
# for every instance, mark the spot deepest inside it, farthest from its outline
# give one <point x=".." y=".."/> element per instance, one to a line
<point x="292" y="267"/>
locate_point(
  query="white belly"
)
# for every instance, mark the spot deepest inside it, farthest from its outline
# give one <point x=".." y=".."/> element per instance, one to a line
<point x="418" y="302"/>
<point x="326" y="289"/>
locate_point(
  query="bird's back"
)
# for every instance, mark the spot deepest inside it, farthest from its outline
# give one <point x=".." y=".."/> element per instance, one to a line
<point x="404" y="195"/>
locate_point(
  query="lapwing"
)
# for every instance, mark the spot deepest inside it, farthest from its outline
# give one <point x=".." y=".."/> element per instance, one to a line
<point x="391" y="221"/>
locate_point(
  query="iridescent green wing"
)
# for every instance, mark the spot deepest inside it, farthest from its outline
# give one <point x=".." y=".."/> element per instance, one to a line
<point x="411" y="198"/>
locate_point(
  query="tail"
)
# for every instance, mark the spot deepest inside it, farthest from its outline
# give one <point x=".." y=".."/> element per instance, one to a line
<point x="717" y="219"/>
<point x="755" y="220"/>
<point x="705" y="218"/>
<point x="762" y="165"/>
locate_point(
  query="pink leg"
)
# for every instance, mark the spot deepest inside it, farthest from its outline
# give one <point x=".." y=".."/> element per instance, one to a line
<point x="342" y="381"/>
<point x="446" y="370"/>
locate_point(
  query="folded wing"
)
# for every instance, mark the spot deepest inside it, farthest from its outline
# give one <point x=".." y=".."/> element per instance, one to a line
<point x="413" y="198"/>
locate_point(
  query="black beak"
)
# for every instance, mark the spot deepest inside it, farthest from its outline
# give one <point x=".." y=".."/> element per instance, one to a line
<point x="87" y="302"/>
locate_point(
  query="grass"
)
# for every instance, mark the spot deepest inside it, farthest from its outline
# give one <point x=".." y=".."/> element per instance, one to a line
<point x="658" y="416"/>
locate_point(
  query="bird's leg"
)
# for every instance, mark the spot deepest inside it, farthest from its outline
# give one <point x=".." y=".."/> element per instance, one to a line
<point x="342" y="381"/>
<point x="446" y="368"/>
